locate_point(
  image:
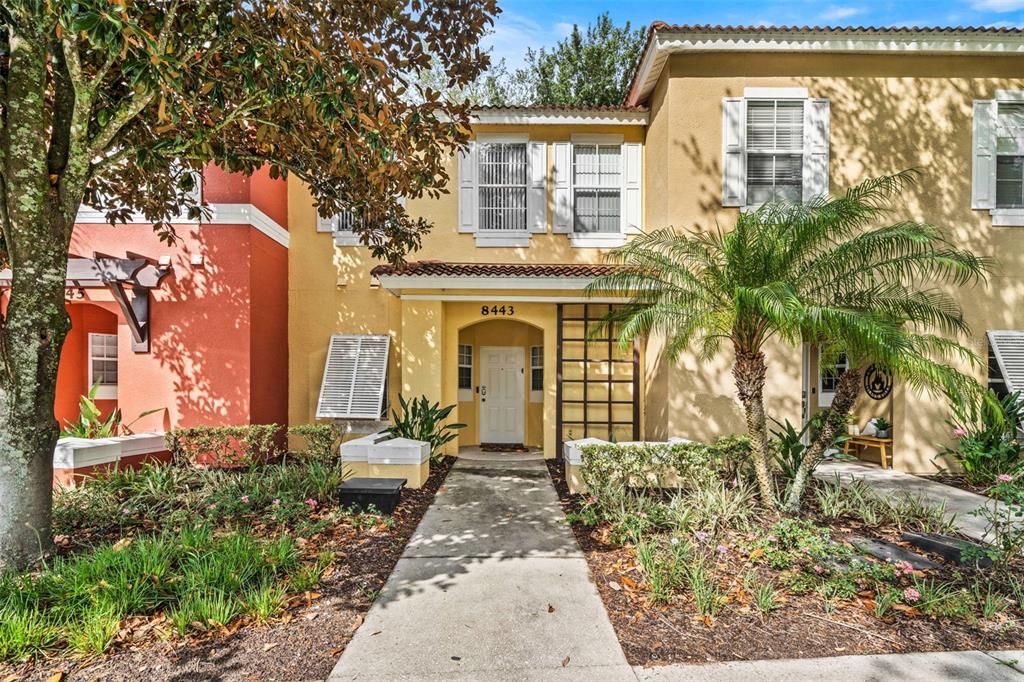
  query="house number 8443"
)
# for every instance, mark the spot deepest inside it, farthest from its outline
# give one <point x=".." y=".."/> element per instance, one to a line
<point x="499" y="310"/>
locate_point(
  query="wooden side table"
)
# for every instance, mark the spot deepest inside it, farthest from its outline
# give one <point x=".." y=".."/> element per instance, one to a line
<point x="883" y="445"/>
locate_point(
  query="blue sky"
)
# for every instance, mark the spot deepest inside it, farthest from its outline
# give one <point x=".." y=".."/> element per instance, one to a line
<point x="536" y="23"/>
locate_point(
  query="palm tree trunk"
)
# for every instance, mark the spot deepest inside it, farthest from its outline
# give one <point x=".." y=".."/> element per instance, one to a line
<point x="847" y="390"/>
<point x="749" y="373"/>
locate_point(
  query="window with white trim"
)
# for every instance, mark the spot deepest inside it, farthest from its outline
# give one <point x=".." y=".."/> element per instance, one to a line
<point x="597" y="188"/>
<point x="103" y="365"/>
<point x="465" y="373"/>
<point x="775" y="150"/>
<point x="828" y="379"/>
<point x="1010" y="155"/>
<point x="775" y="147"/>
<point x="536" y="373"/>
<point x="502" y="185"/>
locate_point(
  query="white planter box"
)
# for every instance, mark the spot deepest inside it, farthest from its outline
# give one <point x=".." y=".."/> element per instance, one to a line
<point x="358" y="449"/>
<point x="572" y="450"/>
<point x="75" y="453"/>
<point x="399" y="451"/>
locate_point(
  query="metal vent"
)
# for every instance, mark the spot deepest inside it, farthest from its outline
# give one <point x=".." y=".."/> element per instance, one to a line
<point x="1008" y="347"/>
<point x="354" y="377"/>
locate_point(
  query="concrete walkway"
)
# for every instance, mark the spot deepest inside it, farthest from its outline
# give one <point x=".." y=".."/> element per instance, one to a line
<point x="491" y="586"/>
<point x="959" y="503"/>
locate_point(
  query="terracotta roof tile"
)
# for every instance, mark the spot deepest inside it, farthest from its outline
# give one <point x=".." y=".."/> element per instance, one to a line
<point x="436" y="268"/>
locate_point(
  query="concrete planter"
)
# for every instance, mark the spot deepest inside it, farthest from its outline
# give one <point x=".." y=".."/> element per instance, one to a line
<point x="77" y="458"/>
<point x="572" y="453"/>
<point x="378" y="456"/>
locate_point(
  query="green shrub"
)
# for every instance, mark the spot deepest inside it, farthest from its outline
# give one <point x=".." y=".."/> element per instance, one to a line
<point x="731" y="455"/>
<point x="987" y="430"/>
<point x="225" y="445"/>
<point x="903" y="511"/>
<point x="419" y="420"/>
<point x="320" y="440"/>
<point x="649" y="465"/>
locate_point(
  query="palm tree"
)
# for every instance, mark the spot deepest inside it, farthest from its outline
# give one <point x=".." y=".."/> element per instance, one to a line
<point x="822" y="272"/>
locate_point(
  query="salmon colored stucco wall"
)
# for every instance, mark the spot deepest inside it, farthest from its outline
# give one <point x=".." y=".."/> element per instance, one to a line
<point x="218" y="338"/>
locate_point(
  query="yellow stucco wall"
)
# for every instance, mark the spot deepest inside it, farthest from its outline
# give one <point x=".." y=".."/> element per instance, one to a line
<point x="888" y="113"/>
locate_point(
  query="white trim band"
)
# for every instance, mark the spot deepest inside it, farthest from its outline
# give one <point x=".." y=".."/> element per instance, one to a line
<point x="220" y="214"/>
<point x="558" y="117"/>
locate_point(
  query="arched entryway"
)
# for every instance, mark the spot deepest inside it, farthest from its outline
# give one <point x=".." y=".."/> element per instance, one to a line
<point x="501" y="384"/>
<point x="89" y="357"/>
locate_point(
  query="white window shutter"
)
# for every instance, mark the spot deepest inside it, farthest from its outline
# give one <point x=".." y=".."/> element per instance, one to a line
<point x="562" y="172"/>
<point x="354" y="377"/>
<point x="734" y="134"/>
<point x="537" y="189"/>
<point x="325" y="224"/>
<point x="1008" y="347"/>
<point x="983" y="153"/>
<point x="468" y="214"/>
<point x="632" y="177"/>
<point x="816" y="131"/>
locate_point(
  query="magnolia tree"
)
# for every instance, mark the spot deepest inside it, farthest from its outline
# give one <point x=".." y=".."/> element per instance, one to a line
<point x="118" y="104"/>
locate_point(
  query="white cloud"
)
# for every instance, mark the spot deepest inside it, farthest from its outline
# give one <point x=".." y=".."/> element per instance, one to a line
<point x="513" y="33"/>
<point x="840" y="12"/>
<point x="999" y="5"/>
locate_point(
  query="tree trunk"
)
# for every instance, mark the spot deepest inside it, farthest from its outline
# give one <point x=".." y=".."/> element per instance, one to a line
<point x="749" y="373"/>
<point x="847" y="390"/>
<point x="37" y="229"/>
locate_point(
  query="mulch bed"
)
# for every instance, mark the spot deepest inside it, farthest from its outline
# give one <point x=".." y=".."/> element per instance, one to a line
<point x="960" y="482"/>
<point x="800" y="628"/>
<point x="503" y="447"/>
<point x="303" y="644"/>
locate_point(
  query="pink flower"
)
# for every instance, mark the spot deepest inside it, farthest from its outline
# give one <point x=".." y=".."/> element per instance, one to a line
<point x="701" y="535"/>
<point x="276" y="502"/>
<point x="903" y="568"/>
<point x="1004" y="478"/>
<point x="61" y="539"/>
<point x="911" y="595"/>
<point x="722" y="549"/>
<point x="959" y="432"/>
<point x="313" y="504"/>
<point x="245" y="499"/>
<point x="125" y="511"/>
<point x="819" y="569"/>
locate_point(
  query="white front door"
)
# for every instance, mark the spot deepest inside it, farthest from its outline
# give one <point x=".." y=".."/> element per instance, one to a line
<point x="501" y="394"/>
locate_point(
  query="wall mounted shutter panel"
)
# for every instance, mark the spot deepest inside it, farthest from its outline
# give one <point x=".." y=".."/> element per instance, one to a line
<point x="562" y="172"/>
<point x="468" y="214"/>
<point x="632" y="197"/>
<point x="354" y="377"/>
<point x="983" y="167"/>
<point x="325" y="224"/>
<point x="734" y="133"/>
<point x="1008" y="347"/>
<point x="816" y="127"/>
<point x="537" y="189"/>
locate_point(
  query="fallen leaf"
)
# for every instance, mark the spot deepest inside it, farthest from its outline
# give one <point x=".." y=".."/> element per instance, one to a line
<point x="356" y="623"/>
<point x="551" y="609"/>
<point x="614" y="585"/>
<point x="118" y="546"/>
<point x="56" y="677"/>
<point x="270" y="645"/>
<point x="629" y="582"/>
<point x="757" y="553"/>
<point x="565" y="661"/>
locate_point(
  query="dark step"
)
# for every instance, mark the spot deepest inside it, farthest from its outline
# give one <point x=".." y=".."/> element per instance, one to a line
<point x="887" y="551"/>
<point x="950" y="548"/>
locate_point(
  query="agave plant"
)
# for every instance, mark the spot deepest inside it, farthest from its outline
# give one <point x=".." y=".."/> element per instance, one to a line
<point x="829" y="272"/>
<point x="419" y="420"/>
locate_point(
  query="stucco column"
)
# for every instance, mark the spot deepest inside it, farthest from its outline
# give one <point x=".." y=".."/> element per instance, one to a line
<point x="422" y="345"/>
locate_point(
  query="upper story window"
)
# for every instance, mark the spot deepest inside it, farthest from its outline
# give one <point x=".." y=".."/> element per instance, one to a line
<point x="828" y="379"/>
<point x="997" y="181"/>
<point x="597" y="188"/>
<point x="1010" y="155"/>
<point x="775" y="150"/>
<point x="342" y="225"/>
<point x="502" y="185"/>
<point x="774" y="147"/>
<point x="503" y="189"/>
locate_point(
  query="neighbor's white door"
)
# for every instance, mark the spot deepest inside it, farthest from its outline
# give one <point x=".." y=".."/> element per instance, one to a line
<point x="501" y="394"/>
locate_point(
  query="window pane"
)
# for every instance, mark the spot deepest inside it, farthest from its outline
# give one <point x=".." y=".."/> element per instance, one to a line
<point x="1010" y="181"/>
<point x="1010" y="128"/>
<point x="775" y="125"/>
<point x="537" y="379"/>
<point x="774" y="176"/>
<point x="502" y="179"/>
<point x="465" y="377"/>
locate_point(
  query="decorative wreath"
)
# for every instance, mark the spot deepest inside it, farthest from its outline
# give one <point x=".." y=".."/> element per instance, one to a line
<point x="877" y="382"/>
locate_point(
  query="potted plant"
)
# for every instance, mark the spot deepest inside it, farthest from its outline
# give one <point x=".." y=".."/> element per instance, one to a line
<point x="883" y="426"/>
